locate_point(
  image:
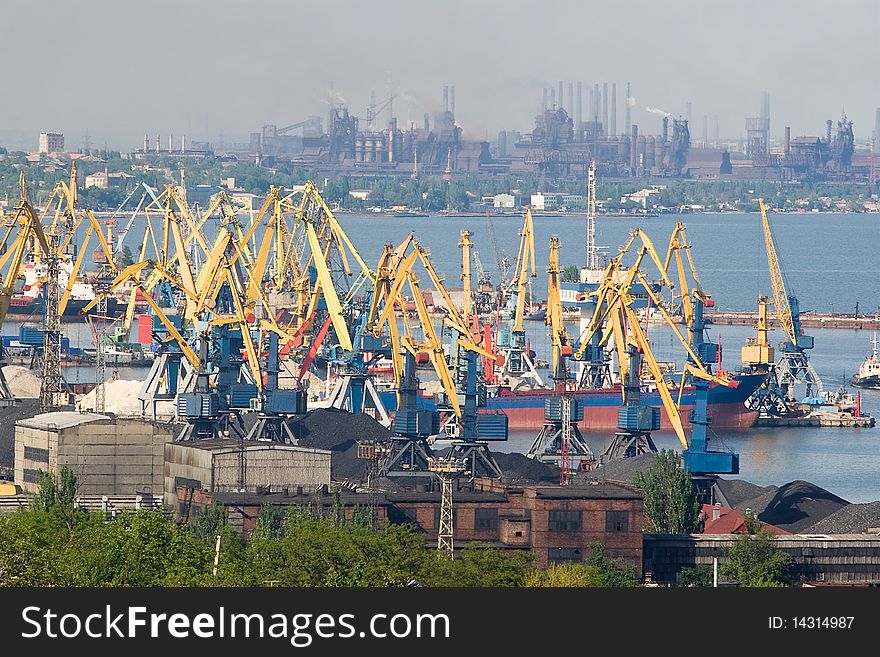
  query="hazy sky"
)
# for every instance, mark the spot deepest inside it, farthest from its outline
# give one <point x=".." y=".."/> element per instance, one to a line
<point x="120" y="68"/>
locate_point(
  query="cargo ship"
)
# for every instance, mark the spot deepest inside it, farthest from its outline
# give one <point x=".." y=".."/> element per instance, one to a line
<point x="525" y="410"/>
<point x="727" y="409"/>
<point x="29" y="299"/>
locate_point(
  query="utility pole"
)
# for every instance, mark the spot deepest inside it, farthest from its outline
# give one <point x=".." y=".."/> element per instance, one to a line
<point x="52" y="386"/>
<point x="447" y="470"/>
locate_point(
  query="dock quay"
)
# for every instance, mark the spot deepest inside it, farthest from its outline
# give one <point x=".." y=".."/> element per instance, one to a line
<point x="811" y="320"/>
<point x="820" y="419"/>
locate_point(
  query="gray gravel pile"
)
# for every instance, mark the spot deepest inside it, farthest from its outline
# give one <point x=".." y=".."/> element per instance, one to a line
<point x="851" y="519"/>
<point x="25" y="408"/>
<point x="625" y="469"/>
<point x="800" y="504"/>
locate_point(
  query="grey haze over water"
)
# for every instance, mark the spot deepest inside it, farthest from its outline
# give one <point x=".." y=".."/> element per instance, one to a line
<point x="215" y="69"/>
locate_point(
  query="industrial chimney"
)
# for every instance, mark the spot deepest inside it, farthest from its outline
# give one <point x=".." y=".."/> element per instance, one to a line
<point x="445" y="98"/>
<point x="452" y="98"/>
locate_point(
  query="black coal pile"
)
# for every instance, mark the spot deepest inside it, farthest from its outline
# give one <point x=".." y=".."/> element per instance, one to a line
<point x="338" y="431"/>
<point x="625" y="469"/>
<point x="798" y="505"/>
<point x="329" y="428"/>
<point x="851" y="519"/>
<point x="519" y="468"/>
<point x="736" y="491"/>
<point x="25" y="408"/>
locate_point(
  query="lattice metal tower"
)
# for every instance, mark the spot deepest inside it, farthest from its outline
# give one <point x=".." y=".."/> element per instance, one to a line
<point x="447" y="470"/>
<point x="52" y="387"/>
<point x="565" y="442"/>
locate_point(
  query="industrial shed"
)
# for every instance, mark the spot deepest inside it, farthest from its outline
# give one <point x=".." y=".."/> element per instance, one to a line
<point x="109" y="456"/>
<point x="223" y="465"/>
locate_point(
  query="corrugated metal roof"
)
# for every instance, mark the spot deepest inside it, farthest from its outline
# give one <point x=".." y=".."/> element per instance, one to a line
<point x="60" y="420"/>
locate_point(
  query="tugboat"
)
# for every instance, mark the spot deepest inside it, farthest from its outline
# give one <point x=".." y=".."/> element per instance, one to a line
<point x="868" y="375"/>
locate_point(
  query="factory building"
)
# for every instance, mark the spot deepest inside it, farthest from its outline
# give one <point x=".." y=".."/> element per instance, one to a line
<point x="108" y="456"/>
<point x="556" y="523"/>
<point x="223" y="465"/>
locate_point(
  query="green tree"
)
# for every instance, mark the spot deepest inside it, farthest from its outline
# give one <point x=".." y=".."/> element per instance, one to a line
<point x="700" y="575"/>
<point x="570" y="274"/>
<point x="127" y="256"/>
<point x="565" y="575"/>
<point x="754" y="561"/>
<point x="209" y="520"/>
<point x="270" y="521"/>
<point x="615" y="572"/>
<point x="671" y="505"/>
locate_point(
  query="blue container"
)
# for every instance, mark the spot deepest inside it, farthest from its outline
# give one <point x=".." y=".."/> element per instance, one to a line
<point x="240" y="394"/>
<point x="492" y="426"/>
<point x="708" y="352"/>
<point x="286" y="402"/>
<point x="711" y="462"/>
<point x="372" y="343"/>
<point x="638" y="418"/>
<point x="416" y="423"/>
<point x="196" y="406"/>
<point x="553" y="409"/>
<point x="30" y="335"/>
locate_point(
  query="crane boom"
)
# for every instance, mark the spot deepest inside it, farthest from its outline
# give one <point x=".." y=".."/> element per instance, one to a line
<point x="780" y="295"/>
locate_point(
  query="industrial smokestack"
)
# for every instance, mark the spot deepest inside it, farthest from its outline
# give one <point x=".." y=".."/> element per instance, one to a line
<point x="561" y="102"/>
<point x="570" y="98"/>
<point x="427" y="122"/>
<point x="544" y="103"/>
<point x="597" y="103"/>
<point x="171" y="143"/>
<point x="665" y="129"/>
<point x="633" y="148"/>
<point x="579" y="116"/>
<point x="605" y="107"/>
<point x="552" y="98"/>
<point x="445" y="98"/>
<point x="876" y="129"/>
<point x="613" y="124"/>
<point x="158" y="143"/>
<point x="717" y="134"/>
<point x="628" y="112"/>
<point x="146" y="142"/>
<point x="787" y="140"/>
<point x="183" y="143"/>
<point x="452" y="98"/>
<point x="705" y="131"/>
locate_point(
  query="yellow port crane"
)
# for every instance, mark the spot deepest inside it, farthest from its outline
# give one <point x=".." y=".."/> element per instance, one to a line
<point x="794" y="366"/>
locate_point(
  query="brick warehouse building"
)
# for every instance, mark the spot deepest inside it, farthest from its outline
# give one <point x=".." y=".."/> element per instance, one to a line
<point x="556" y="523"/>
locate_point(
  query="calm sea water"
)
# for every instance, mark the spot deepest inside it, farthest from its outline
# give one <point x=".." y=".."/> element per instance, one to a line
<point x="831" y="262"/>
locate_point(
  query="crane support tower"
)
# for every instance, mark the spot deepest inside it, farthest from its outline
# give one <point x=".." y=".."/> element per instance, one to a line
<point x="560" y="441"/>
<point x="447" y="471"/>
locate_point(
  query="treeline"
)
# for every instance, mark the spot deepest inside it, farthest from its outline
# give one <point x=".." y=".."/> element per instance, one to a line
<point x="54" y="544"/>
<point x="426" y="193"/>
